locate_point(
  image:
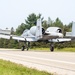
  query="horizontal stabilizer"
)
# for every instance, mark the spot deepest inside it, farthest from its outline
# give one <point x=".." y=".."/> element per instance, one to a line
<point x="5" y="31"/>
<point x="5" y="36"/>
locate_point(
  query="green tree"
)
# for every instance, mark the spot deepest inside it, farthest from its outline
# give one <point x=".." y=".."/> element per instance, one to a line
<point x="70" y="26"/>
<point x="31" y="20"/>
<point x="58" y="23"/>
<point x="45" y="25"/>
<point x="67" y="28"/>
<point x="50" y="22"/>
<point x="20" y="29"/>
<point x="1" y="43"/>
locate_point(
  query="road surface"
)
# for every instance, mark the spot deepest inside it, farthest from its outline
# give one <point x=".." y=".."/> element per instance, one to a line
<point x="60" y="63"/>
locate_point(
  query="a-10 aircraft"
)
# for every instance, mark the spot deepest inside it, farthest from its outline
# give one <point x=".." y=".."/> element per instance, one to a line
<point x="38" y="33"/>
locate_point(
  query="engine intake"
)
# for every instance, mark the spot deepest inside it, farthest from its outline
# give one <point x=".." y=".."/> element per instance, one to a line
<point x="59" y="31"/>
<point x="43" y="31"/>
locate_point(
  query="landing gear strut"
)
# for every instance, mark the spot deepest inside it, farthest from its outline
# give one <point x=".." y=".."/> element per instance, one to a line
<point x="26" y="46"/>
<point x="51" y="47"/>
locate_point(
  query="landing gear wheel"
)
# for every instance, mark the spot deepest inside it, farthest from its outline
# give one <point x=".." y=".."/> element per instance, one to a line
<point x="52" y="48"/>
<point x="23" y="47"/>
<point x="26" y="46"/>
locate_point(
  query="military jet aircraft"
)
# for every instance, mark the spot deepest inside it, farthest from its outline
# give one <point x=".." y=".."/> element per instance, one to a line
<point x="38" y="33"/>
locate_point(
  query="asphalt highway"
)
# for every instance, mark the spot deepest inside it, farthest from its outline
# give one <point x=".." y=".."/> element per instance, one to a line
<point x="60" y="63"/>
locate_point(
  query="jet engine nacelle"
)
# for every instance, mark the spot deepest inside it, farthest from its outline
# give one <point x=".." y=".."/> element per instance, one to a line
<point x="33" y="30"/>
<point x="54" y="29"/>
<point x="26" y="33"/>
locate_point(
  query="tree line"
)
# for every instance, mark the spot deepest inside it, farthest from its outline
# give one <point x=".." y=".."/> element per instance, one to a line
<point x="31" y="21"/>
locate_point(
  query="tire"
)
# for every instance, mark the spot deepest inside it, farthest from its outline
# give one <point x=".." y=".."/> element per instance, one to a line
<point x="23" y="47"/>
<point x="51" y="48"/>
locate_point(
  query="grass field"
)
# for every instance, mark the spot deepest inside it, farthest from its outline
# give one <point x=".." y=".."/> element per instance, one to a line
<point x="56" y="49"/>
<point x="66" y="50"/>
<point x="8" y="68"/>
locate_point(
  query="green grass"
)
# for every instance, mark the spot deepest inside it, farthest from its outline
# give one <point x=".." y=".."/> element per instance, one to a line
<point x="40" y="49"/>
<point x="56" y="49"/>
<point x="66" y="50"/>
<point x="8" y="68"/>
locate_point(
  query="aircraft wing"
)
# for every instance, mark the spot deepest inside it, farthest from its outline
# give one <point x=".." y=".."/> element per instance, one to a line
<point x="18" y="38"/>
<point x="60" y="40"/>
<point x="21" y="38"/>
<point x="5" y="36"/>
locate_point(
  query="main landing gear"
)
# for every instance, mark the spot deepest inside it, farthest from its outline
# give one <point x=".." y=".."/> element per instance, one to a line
<point x="26" y="46"/>
<point x="51" y="47"/>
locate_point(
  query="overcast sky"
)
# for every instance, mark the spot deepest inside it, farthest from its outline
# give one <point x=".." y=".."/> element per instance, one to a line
<point x="14" y="12"/>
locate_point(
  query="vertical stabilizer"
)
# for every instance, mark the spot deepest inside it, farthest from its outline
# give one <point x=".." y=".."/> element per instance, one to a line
<point x="73" y="29"/>
<point x="39" y="29"/>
